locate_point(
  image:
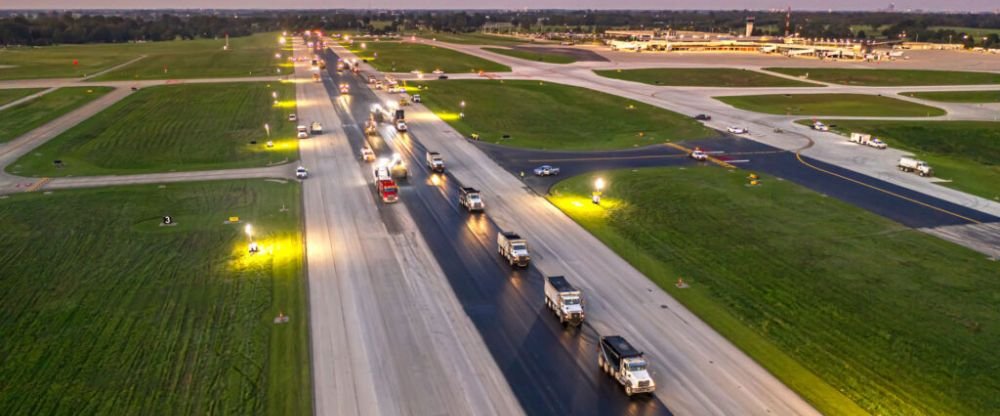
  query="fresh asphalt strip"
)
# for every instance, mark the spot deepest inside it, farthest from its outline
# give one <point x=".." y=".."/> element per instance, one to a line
<point x="551" y="370"/>
<point x="905" y="206"/>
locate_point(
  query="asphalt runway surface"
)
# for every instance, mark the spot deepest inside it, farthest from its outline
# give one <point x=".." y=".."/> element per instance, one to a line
<point x="551" y="370"/>
<point x="897" y="203"/>
<point x="581" y="55"/>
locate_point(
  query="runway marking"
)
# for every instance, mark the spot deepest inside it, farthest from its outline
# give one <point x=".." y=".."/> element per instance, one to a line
<point x="710" y="158"/>
<point x="798" y="155"/>
<point x="35" y="186"/>
<point x="590" y="159"/>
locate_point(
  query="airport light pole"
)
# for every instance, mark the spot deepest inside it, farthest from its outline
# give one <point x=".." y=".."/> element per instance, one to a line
<point x="598" y="189"/>
<point x="461" y="114"/>
<point x="252" y="248"/>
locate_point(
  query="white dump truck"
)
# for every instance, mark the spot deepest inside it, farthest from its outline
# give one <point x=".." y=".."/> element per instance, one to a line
<point x="513" y="248"/>
<point x="625" y="364"/>
<point x="471" y="199"/>
<point x="564" y="300"/>
<point x="909" y="164"/>
<point x="867" y="140"/>
<point x="435" y="162"/>
<point x="301" y="132"/>
<point x="316" y="128"/>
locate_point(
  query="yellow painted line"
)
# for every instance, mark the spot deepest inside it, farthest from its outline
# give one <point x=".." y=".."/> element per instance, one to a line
<point x="35" y="186"/>
<point x="798" y="156"/>
<point x="710" y="158"/>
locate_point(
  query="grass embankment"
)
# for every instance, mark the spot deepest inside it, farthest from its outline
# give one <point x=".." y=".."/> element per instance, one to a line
<point x="958" y="96"/>
<point x="967" y="153"/>
<point x="898" y="321"/>
<point x="14" y="94"/>
<point x="29" y="115"/>
<point x="830" y="105"/>
<point x="200" y="58"/>
<point x="177" y="127"/>
<point x="472" y="38"/>
<point x="891" y="77"/>
<point x="106" y="312"/>
<point x="408" y="56"/>
<point x="552" y="116"/>
<point x="535" y="55"/>
<point x="703" y="77"/>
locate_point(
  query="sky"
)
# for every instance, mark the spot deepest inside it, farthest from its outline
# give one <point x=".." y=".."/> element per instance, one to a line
<point x="936" y="5"/>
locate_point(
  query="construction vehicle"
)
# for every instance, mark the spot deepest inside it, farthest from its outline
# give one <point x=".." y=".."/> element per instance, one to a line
<point x="435" y="162"/>
<point x="867" y="140"/>
<point x="397" y="168"/>
<point x="909" y="164"/>
<point x="367" y="154"/>
<point x="345" y="89"/>
<point x="371" y="127"/>
<point x="415" y="98"/>
<point x="400" y="121"/>
<point x="625" y="364"/>
<point x="564" y="300"/>
<point x="384" y="185"/>
<point x="471" y="199"/>
<point x="316" y="128"/>
<point x="513" y="248"/>
<point x="301" y="132"/>
<point x="315" y="77"/>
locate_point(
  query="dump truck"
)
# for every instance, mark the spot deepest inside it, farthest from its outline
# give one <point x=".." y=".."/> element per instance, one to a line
<point x="387" y="190"/>
<point x="301" y="132"/>
<point x="909" y="164"/>
<point x="435" y="162"/>
<point x="471" y="199"/>
<point x="625" y="364"/>
<point x="513" y="248"/>
<point x="564" y="300"/>
<point x="315" y="128"/>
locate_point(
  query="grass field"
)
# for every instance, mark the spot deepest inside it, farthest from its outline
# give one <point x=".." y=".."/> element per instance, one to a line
<point x="472" y="38"/>
<point x="29" y="115"/>
<point x="965" y="152"/>
<point x="176" y="127"/>
<point x="958" y="96"/>
<point x="552" y="116"/>
<point x="106" y="312"/>
<point x="407" y="56"/>
<point x="830" y="105"/>
<point x="891" y="77"/>
<point x="972" y="31"/>
<point x="703" y="77"/>
<point x="538" y="56"/>
<point x="13" y="94"/>
<point x="896" y="320"/>
<point x="201" y="58"/>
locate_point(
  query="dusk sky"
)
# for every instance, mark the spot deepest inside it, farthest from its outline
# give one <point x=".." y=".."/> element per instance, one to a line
<point x="960" y="5"/>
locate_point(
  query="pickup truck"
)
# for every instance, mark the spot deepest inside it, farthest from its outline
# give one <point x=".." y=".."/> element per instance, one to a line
<point x="625" y="364"/>
<point x="435" y="162"/>
<point x="546" y="170"/>
<point x="471" y="199"/>
<point x="564" y="300"/>
<point x="513" y="248"/>
<point x="301" y="172"/>
<point x="867" y="140"/>
<point x="699" y="155"/>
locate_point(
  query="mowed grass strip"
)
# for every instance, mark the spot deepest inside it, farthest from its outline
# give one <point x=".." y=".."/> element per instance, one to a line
<point x="174" y="128"/>
<point x="472" y="38"/>
<point x="408" y="56"/>
<point x="14" y="94"/>
<point x="898" y="321"/>
<point x="891" y="77"/>
<point x="541" y="115"/>
<point x="57" y="61"/>
<point x="104" y="311"/>
<point x="966" y="153"/>
<point x="29" y="115"/>
<point x="203" y="58"/>
<point x="958" y="96"/>
<point x="533" y="55"/>
<point x="703" y="77"/>
<point x="830" y="105"/>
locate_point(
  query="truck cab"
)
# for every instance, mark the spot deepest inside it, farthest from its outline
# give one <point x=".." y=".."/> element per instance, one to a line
<point x="471" y="199"/>
<point x="401" y="126"/>
<point x="513" y="248"/>
<point x="435" y="162"/>
<point x="367" y="154"/>
<point x="345" y="89"/>
<point x="387" y="190"/>
<point x="301" y="132"/>
<point x="564" y="300"/>
<point x="625" y="364"/>
<point x="316" y="128"/>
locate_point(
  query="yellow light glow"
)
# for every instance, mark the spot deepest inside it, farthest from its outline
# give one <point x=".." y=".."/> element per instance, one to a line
<point x="599" y="184"/>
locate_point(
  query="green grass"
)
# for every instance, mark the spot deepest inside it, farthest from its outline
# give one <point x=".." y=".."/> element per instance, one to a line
<point x="57" y="61"/>
<point x="105" y="312"/>
<point x="473" y="38"/>
<point x="176" y="127"/>
<point x="965" y="152"/>
<point x="535" y="55"/>
<point x="895" y="320"/>
<point x="972" y="31"/>
<point x="406" y="57"/>
<point x="552" y="116"/>
<point x="891" y="77"/>
<point x="958" y="96"/>
<point x="703" y="77"/>
<point x="831" y="105"/>
<point x="29" y="115"/>
<point x="14" y="94"/>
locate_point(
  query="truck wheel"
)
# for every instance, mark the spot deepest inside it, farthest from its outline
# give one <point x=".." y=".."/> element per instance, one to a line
<point x="628" y="391"/>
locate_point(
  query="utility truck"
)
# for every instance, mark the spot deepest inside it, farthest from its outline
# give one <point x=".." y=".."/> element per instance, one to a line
<point x="909" y="164"/>
<point x="513" y="248"/>
<point x="625" y="364"/>
<point x="471" y="199"/>
<point x="564" y="300"/>
<point x="867" y="140"/>
<point x="435" y="162"/>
